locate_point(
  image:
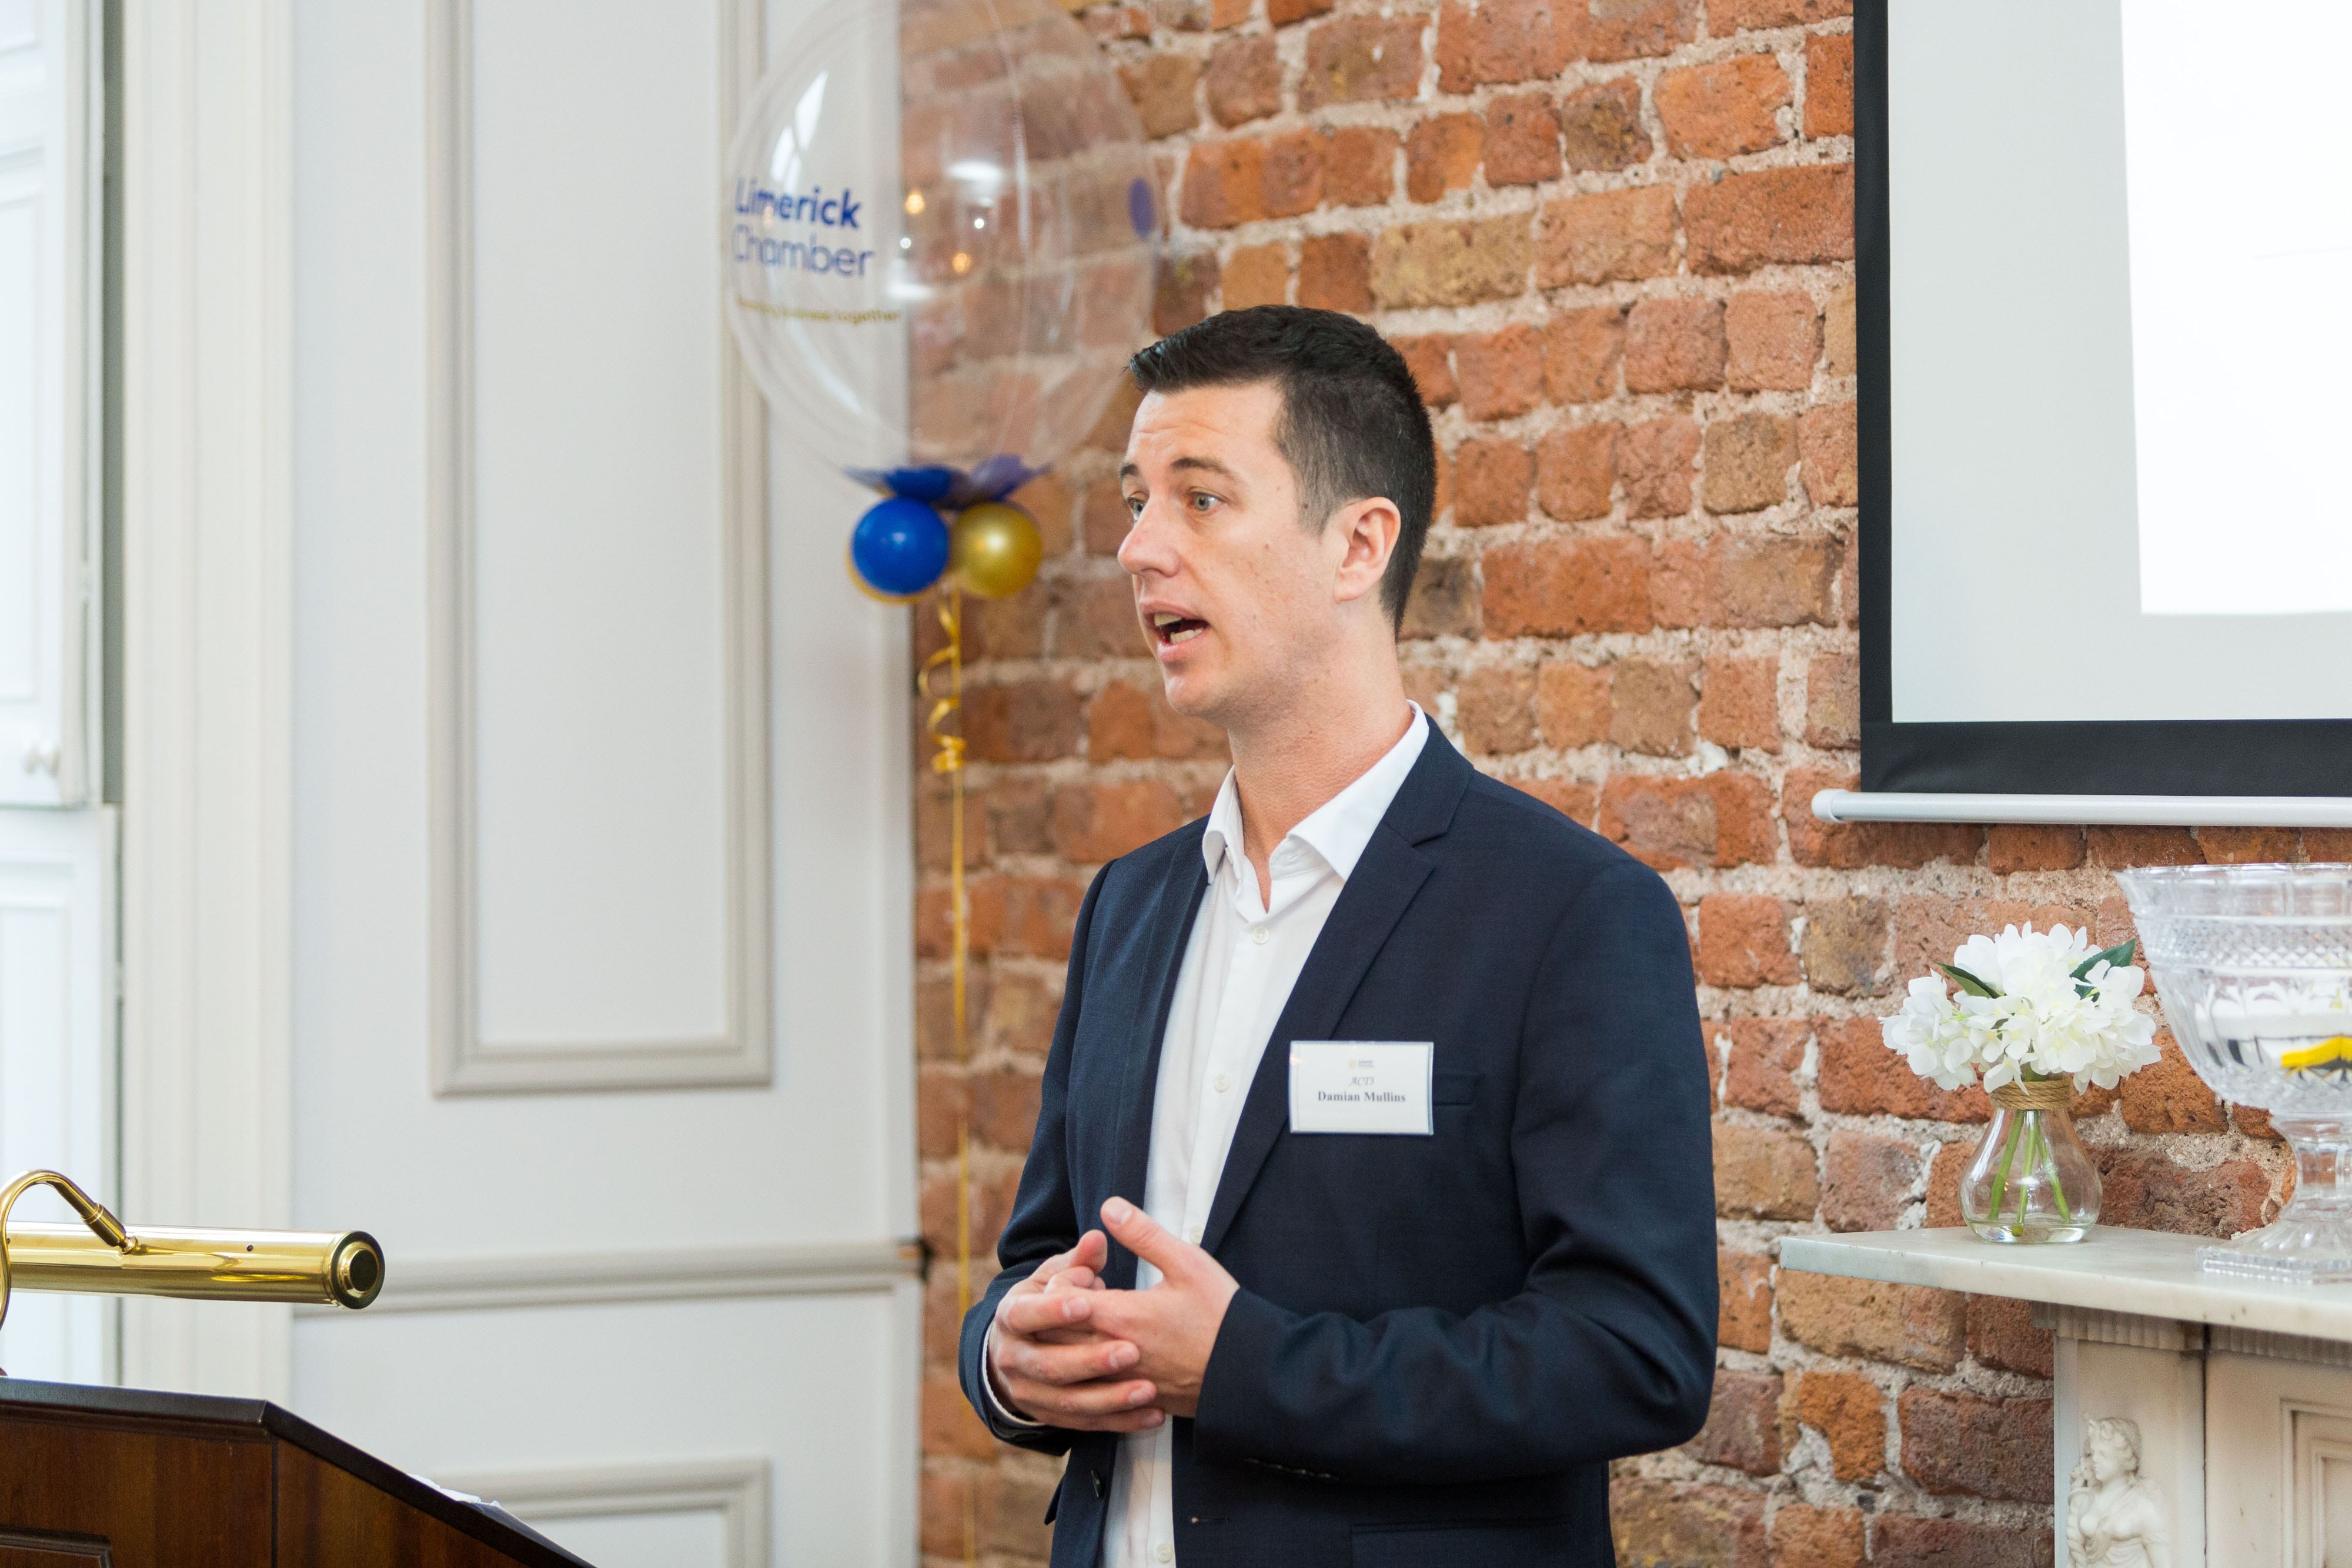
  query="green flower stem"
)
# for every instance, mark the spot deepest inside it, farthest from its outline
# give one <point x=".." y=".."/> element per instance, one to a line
<point x="2029" y="1137"/>
<point x="2000" y="1177"/>
<point x="2057" y="1187"/>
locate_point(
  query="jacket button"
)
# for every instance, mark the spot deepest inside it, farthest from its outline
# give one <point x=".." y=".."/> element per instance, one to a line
<point x="1096" y="1477"/>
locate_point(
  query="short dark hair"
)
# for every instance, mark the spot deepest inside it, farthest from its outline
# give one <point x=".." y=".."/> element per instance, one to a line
<point x="1352" y="426"/>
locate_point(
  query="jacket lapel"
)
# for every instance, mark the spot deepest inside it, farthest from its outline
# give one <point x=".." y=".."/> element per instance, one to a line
<point x="1385" y="881"/>
<point x="1173" y="912"/>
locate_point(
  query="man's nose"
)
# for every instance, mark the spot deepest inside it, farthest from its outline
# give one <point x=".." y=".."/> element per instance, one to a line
<point x="1149" y="545"/>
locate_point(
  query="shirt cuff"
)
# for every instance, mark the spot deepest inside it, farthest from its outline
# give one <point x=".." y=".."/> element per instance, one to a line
<point x="996" y="1404"/>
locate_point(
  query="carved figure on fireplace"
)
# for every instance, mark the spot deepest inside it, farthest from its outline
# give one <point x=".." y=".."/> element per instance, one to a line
<point x="2114" y="1517"/>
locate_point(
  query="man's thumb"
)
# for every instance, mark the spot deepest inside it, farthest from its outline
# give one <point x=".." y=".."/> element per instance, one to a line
<point x="1143" y="1235"/>
<point x="1091" y="1252"/>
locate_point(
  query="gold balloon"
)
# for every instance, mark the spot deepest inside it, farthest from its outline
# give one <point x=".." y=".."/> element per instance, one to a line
<point x="993" y="549"/>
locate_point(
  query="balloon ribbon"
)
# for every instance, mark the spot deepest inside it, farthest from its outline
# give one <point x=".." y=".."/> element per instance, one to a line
<point x="948" y="759"/>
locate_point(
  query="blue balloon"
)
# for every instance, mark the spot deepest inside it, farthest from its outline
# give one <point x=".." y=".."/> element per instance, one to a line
<point x="900" y="546"/>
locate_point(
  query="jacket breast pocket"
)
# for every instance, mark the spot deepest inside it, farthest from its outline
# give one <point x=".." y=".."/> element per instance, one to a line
<point x="1455" y="1088"/>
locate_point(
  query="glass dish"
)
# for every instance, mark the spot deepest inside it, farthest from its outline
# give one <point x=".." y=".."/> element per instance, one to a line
<point x="2253" y="965"/>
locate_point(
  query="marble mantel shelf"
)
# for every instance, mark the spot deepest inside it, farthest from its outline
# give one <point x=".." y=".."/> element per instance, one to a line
<point x="2149" y="1274"/>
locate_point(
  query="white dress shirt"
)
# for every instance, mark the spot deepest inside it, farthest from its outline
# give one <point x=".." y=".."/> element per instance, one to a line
<point x="1244" y="957"/>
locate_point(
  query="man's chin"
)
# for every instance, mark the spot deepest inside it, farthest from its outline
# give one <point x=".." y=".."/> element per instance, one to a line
<point x="1192" y="692"/>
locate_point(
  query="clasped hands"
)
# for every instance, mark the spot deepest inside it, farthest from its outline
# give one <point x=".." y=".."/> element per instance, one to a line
<point x="1072" y="1353"/>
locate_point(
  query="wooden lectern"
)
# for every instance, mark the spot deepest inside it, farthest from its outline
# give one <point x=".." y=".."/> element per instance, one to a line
<point x="115" y="1477"/>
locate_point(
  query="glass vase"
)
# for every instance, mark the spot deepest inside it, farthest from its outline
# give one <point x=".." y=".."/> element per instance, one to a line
<point x="2031" y="1179"/>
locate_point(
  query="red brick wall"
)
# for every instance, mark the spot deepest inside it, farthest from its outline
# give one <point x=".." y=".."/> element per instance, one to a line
<point x="1615" y="239"/>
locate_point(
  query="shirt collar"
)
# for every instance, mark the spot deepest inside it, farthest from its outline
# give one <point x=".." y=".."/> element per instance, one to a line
<point x="1342" y="828"/>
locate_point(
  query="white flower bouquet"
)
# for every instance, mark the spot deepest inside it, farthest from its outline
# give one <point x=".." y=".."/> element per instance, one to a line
<point x="2040" y="1015"/>
<point x="2032" y="1005"/>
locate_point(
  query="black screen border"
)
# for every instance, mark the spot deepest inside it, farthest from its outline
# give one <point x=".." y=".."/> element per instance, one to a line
<point x="2139" y="757"/>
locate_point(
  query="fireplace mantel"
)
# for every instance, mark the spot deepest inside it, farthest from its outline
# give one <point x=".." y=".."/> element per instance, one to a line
<point x="2240" y="1391"/>
<point x="2147" y="1273"/>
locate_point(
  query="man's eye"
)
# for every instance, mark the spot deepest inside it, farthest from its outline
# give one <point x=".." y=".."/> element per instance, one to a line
<point x="1203" y="500"/>
<point x="1134" y="506"/>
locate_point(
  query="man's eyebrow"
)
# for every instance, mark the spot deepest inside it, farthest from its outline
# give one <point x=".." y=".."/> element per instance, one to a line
<point x="1205" y="464"/>
<point x="1129" y="470"/>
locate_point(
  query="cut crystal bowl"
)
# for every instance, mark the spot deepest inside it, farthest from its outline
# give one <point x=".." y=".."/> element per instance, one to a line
<point x="2253" y="964"/>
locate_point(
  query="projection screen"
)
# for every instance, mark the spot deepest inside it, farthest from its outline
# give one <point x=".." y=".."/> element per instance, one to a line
<point x="2105" y="310"/>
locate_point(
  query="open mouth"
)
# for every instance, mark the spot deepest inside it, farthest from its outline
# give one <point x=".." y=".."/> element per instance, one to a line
<point x="1171" y="628"/>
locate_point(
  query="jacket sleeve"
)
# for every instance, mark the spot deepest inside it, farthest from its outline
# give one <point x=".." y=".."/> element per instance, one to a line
<point x="1044" y="1219"/>
<point x="1609" y="1347"/>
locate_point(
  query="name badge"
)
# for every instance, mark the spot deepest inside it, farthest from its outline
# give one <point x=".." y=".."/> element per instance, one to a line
<point x="1361" y="1086"/>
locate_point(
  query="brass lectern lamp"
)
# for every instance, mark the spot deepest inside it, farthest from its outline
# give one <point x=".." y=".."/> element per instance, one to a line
<point x="336" y="1268"/>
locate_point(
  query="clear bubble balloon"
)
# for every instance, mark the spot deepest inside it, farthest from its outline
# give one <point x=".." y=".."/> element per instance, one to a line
<point x="940" y="229"/>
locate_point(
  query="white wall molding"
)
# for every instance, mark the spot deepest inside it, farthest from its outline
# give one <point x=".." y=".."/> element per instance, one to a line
<point x="667" y="1274"/>
<point x="735" y="1489"/>
<point x="206" y="480"/>
<point x="463" y="1061"/>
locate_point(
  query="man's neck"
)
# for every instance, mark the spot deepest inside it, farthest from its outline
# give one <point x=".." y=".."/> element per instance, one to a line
<point x="1287" y="766"/>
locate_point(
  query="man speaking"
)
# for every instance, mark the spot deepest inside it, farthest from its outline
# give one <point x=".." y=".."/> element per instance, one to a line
<point x="1370" y="1212"/>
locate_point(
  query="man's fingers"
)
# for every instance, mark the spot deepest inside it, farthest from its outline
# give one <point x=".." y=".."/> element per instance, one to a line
<point x="1059" y="1263"/>
<point x="1144" y="1235"/>
<point x="1066" y="1364"/>
<point x="1085" y="1259"/>
<point x="1045" y="1310"/>
<point x="1054" y="1402"/>
<point x="1084" y="1333"/>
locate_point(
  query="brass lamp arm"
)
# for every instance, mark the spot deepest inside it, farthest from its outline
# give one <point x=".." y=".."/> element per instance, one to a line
<point x="93" y="1212"/>
<point x="333" y="1267"/>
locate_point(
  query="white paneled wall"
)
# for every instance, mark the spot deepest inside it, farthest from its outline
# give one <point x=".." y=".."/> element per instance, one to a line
<point x="598" y="549"/>
<point x="601" y="881"/>
<point x="599" y="662"/>
<point x="205" y="574"/>
<point x="535" y="798"/>
<point x="48" y="513"/>
<point x="711" y="1511"/>
<point x="56" y="867"/>
<point x="57" y="1061"/>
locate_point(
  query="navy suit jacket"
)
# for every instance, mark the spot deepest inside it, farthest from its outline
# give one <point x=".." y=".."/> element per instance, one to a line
<point x="1439" y="1342"/>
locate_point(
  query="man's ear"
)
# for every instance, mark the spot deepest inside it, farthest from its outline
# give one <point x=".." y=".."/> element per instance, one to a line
<point x="1367" y="532"/>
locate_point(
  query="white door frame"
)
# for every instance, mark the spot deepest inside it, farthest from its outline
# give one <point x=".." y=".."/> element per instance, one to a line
<point x="206" y="484"/>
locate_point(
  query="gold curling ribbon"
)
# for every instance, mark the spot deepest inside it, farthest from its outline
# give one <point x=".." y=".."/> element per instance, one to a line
<point x="948" y="760"/>
<point x="2035" y="1094"/>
